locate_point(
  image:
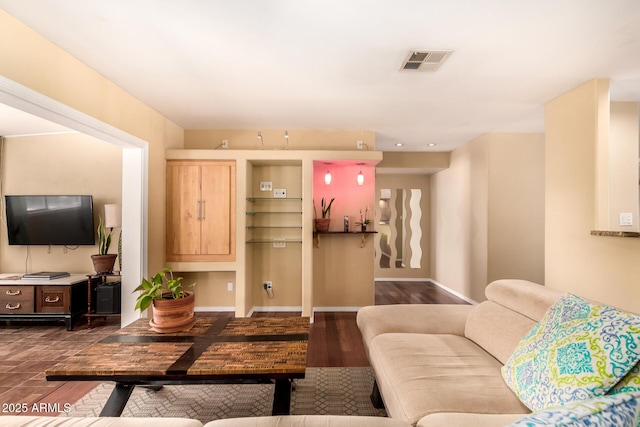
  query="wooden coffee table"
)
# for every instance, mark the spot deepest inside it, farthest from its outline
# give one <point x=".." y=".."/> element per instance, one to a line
<point x="215" y="350"/>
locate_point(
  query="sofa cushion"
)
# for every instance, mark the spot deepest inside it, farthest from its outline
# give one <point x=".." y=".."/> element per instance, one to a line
<point x="620" y="410"/>
<point x="308" y="421"/>
<point x="420" y="374"/>
<point x="497" y="329"/>
<point x="412" y="318"/>
<point x="577" y="351"/>
<point x="453" y="419"/>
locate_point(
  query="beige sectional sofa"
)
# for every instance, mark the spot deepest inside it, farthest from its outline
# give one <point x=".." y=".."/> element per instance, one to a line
<point x="438" y="365"/>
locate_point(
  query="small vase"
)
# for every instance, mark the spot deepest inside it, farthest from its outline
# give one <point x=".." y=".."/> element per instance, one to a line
<point x="364" y="227"/>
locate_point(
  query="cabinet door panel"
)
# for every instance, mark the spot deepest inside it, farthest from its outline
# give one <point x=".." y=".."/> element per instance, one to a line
<point x="183" y="209"/>
<point x="216" y="201"/>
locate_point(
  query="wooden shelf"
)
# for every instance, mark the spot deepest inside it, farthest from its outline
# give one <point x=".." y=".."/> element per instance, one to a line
<point x="363" y="234"/>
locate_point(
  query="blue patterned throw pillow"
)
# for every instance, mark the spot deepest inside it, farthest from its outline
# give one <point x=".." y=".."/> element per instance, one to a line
<point x="620" y="410"/>
<point x="577" y="351"/>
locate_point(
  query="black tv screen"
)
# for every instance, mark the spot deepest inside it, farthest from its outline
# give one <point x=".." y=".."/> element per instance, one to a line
<point x="50" y="220"/>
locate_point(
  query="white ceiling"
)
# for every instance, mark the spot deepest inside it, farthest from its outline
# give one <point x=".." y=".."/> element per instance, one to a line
<point x="334" y="64"/>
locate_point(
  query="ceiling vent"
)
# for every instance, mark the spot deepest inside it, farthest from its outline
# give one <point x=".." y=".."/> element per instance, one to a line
<point x="425" y="60"/>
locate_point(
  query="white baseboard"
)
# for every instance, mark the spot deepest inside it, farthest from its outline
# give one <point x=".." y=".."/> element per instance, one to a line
<point x="215" y="308"/>
<point x="451" y="291"/>
<point x="343" y="309"/>
<point x="276" y="308"/>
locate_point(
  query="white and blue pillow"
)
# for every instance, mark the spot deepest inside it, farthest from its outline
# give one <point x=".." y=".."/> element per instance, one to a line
<point x="620" y="410"/>
<point x="577" y="351"/>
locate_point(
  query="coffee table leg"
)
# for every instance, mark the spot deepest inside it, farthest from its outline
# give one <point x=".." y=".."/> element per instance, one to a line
<point x="282" y="398"/>
<point x="117" y="400"/>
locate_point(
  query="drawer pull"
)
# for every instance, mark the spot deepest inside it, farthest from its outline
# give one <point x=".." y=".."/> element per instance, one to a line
<point x="13" y="293"/>
<point x="12" y="307"/>
<point x="49" y="300"/>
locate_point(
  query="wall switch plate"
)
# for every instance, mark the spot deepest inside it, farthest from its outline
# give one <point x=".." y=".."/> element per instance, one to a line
<point x="280" y="244"/>
<point x="626" y="219"/>
<point x="266" y="185"/>
<point x="230" y="286"/>
<point x="280" y="193"/>
<point x="225" y="143"/>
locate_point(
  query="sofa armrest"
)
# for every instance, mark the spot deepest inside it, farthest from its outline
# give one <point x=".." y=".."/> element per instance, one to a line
<point x="412" y="318"/>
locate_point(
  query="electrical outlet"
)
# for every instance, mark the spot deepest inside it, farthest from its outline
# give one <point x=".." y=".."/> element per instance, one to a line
<point x="626" y="219"/>
<point x="359" y="145"/>
<point x="280" y="193"/>
<point x="225" y="143"/>
<point x="267" y="284"/>
<point x="230" y="286"/>
<point x="279" y="244"/>
<point x="266" y="185"/>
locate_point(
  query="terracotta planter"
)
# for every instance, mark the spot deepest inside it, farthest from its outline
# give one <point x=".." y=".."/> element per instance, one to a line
<point x="173" y="315"/>
<point x="104" y="263"/>
<point x="322" y="224"/>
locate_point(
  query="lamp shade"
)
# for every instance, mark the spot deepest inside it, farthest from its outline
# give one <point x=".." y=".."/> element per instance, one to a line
<point x="112" y="216"/>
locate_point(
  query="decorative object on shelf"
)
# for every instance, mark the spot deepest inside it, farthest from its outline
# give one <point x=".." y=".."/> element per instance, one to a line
<point x="363" y="219"/>
<point x="322" y="224"/>
<point x="173" y="307"/>
<point x="103" y="262"/>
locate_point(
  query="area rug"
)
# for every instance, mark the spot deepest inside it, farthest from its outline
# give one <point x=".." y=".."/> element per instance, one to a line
<point x="334" y="391"/>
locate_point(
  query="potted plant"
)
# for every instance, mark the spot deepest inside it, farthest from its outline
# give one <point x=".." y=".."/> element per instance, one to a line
<point x="363" y="219"/>
<point x="322" y="224"/>
<point x="173" y="307"/>
<point x="103" y="262"/>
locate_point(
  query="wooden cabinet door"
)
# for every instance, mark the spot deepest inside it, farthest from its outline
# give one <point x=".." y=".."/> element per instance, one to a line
<point x="200" y="210"/>
<point x="183" y="204"/>
<point x="216" y="222"/>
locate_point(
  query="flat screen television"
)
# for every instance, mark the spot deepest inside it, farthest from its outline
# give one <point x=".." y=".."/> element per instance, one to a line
<point x="50" y="220"/>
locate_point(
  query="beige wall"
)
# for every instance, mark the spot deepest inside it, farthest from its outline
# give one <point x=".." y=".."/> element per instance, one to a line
<point x="406" y="182"/>
<point x="59" y="164"/>
<point x="487" y="213"/>
<point x="36" y="63"/>
<point x="246" y="139"/>
<point x="605" y="269"/>
<point x="623" y="164"/>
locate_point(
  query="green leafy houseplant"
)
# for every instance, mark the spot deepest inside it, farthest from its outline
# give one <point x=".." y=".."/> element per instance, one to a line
<point x="326" y="208"/>
<point x="163" y="285"/>
<point x="104" y="237"/>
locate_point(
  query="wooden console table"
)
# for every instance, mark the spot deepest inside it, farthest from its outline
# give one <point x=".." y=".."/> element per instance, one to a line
<point x="215" y="350"/>
<point x="41" y="299"/>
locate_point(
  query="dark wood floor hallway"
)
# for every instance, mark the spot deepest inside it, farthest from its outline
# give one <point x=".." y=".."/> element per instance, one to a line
<point x="26" y="350"/>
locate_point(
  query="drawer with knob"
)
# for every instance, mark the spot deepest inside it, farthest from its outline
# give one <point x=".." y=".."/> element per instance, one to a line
<point x="16" y="299"/>
<point x="52" y="299"/>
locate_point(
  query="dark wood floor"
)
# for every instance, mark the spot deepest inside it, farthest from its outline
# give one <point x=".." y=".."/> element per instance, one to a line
<point x="26" y="350"/>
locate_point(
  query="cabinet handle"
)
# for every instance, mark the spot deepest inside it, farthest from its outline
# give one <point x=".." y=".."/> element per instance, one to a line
<point x="197" y="210"/>
<point x="48" y="299"/>
<point x="13" y="293"/>
<point x="202" y="201"/>
<point x="12" y="307"/>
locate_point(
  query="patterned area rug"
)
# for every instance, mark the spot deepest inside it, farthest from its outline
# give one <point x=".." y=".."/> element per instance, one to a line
<point x="334" y="391"/>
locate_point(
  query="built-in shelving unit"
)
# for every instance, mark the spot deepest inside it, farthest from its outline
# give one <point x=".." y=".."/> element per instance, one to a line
<point x="269" y="216"/>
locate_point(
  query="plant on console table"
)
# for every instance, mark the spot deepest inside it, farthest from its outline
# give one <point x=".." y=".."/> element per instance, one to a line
<point x="103" y="262"/>
<point x="363" y="219"/>
<point x="173" y="307"/>
<point x="322" y="224"/>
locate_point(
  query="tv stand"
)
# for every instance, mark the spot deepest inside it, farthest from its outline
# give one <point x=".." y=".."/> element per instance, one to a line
<point x="41" y="299"/>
